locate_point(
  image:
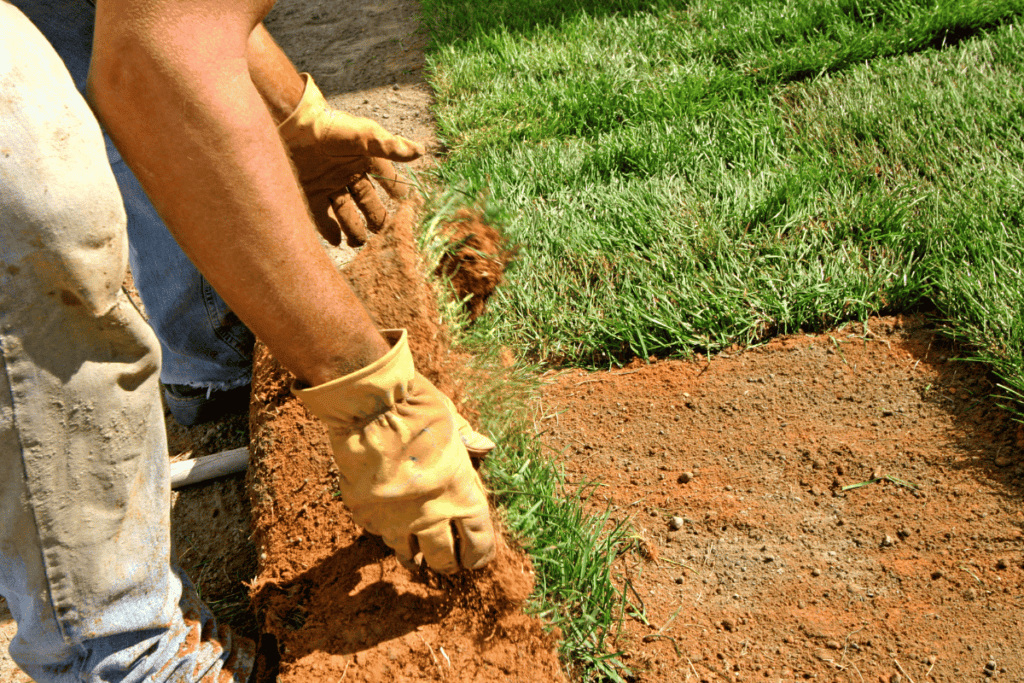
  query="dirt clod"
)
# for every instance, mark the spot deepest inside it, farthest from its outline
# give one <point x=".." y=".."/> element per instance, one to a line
<point x="475" y="260"/>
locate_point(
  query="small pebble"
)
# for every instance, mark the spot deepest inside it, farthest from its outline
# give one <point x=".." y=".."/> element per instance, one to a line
<point x="833" y="644"/>
<point x="815" y="572"/>
<point x="1001" y="563"/>
<point x="887" y="541"/>
<point x="676" y="523"/>
<point x="991" y="665"/>
<point x="729" y="625"/>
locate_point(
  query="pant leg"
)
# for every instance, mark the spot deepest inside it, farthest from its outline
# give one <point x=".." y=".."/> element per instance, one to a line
<point x="85" y="553"/>
<point x="204" y="344"/>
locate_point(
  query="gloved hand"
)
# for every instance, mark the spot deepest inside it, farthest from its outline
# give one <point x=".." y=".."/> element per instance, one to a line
<point x="478" y="445"/>
<point x="335" y="154"/>
<point x="405" y="473"/>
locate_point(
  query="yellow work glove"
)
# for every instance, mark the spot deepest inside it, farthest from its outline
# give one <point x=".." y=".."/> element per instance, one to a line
<point x="478" y="445"/>
<point x="405" y="473"/>
<point x="336" y="154"/>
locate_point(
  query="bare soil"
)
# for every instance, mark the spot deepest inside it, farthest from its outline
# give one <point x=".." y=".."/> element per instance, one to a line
<point x="755" y="561"/>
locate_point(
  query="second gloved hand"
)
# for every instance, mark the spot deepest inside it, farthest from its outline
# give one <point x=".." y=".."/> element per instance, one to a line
<point x="405" y="472"/>
<point x="336" y="154"/>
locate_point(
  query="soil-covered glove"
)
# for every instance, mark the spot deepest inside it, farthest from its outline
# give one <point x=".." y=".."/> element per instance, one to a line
<point x="336" y="154"/>
<point x="405" y="473"/>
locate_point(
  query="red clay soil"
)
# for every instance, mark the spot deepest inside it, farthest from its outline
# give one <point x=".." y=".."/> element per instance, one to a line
<point x="760" y="566"/>
<point x="476" y="260"/>
<point x="387" y="275"/>
<point x="333" y="603"/>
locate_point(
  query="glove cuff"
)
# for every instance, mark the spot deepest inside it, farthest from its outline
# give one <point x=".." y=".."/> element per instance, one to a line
<point x="367" y="393"/>
<point x="301" y="128"/>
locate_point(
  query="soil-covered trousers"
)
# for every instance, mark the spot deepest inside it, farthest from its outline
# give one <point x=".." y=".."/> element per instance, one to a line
<point x="202" y="342"/>
<point x="86" y="564"/>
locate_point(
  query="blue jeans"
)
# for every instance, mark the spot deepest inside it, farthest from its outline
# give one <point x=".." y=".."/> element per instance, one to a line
<point x="204" y="345"/>
<point x="86" y="564"/>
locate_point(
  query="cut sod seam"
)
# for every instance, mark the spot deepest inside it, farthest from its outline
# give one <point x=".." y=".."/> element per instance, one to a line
<point x="572" y="550"/>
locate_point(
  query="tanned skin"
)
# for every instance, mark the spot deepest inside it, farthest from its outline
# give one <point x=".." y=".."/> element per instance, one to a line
<point x="171" y="82"/>
<point x="273" y="74"/>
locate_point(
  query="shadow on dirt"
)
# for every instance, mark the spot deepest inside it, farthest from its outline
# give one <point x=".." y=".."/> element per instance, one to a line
<point x="988" y="442"/>
<point x="364" y="615"/>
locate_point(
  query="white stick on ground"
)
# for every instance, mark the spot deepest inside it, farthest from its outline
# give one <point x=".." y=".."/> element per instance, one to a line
<point x="209" y="467"/>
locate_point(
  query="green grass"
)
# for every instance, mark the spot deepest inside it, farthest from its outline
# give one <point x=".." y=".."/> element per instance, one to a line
<point x="671" y="196"/>
<point x="572" y="551"/>
<point x="684" y="176"/>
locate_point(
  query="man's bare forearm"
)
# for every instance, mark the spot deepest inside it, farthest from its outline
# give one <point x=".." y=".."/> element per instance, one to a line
<point x="170" y="80"/>
<point x="273" y="74"/>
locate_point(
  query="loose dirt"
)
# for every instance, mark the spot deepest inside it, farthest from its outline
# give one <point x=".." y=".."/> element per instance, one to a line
<point x="756" y="561"/>
<point x="475" y="261"/>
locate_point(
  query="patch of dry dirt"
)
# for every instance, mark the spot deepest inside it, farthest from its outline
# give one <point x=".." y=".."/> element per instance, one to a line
<point x="760" y="565"/>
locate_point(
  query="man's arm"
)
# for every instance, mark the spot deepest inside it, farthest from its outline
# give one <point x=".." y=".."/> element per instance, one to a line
<point x="273" y="74"/>
<point x="171" y="83"/>
<point x="334" y="153"/>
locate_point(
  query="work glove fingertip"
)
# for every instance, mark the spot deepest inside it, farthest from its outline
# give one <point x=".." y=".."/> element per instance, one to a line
<point x="394" y="147"/>
<point x="384" y="173"/>
<point x="326" y="223"/>
<point x="405" y="548"/>
<point x="478" y="445"/>
<point x="365" y="197"/>
<point x="437" y="543"/>
<point x="477" y="544"/>
<point x="407" y="150"/>
<point x="350" y="220"/>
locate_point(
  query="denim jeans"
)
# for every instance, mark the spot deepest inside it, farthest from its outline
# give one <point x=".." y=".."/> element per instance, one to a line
<point x="204" y="344"/>
<point x="86" y="563"/>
